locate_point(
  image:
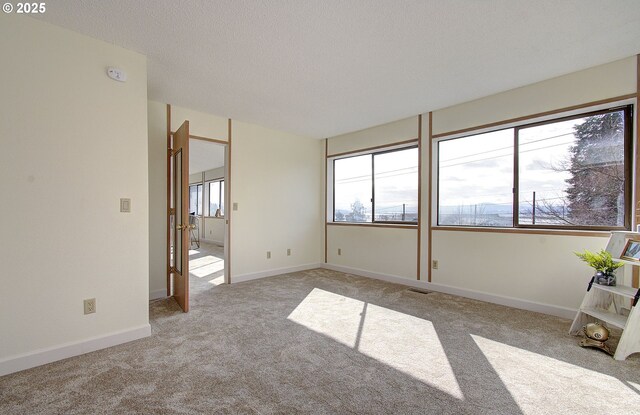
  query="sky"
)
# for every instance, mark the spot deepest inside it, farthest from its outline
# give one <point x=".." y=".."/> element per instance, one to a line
<point x="478" y="169"/>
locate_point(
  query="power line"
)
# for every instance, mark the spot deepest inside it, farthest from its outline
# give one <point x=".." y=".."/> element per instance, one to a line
<point x="508" y="147"/>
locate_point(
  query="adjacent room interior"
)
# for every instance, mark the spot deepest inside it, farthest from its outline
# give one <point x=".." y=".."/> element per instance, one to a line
<point x="378" y="207"/>
<point x="206" y="210"/>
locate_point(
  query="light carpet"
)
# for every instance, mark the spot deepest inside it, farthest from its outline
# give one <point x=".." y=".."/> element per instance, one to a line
<point x="325" y="342"/>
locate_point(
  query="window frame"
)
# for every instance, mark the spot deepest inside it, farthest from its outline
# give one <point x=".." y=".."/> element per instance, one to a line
<point x="628" y="116"/>
<point x="372" y="154"/>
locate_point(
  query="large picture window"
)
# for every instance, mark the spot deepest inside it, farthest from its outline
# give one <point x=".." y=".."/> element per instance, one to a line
<point x="377" y="187"/>
<point x="571" y="172"/>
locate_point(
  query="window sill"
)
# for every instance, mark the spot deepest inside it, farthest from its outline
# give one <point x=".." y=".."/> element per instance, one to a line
<point x="376" y="225"/>
<point x="559" y="232"/>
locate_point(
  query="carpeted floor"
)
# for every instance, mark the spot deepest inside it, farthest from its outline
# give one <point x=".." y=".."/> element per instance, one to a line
<point x="324" y="342"/>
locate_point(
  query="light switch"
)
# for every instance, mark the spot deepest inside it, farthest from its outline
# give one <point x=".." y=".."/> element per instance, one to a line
<point x="235" y="205"/>
<point x="125" y="205"/>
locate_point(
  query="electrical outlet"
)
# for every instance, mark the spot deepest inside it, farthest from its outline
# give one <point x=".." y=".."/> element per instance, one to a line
<point x="434" y="264"/>
<point x="288" y="251"/>
<point x="268" y="254"/>
<point x="90" y="306"/>
<point x="339" y="251"/>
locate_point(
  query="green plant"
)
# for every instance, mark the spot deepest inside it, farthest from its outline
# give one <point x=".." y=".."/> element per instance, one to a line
<point x="600" y="261"/>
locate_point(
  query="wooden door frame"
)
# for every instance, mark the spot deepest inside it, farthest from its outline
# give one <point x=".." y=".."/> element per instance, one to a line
<point x="227" y="198"/>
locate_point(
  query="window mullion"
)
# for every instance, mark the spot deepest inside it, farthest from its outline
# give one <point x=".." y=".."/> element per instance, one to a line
<point x="373" y="189"/>
<point x="516" y="179"/>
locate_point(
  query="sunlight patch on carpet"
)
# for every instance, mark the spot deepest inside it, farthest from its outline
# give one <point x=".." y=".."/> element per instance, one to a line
<point x="408" y="344"/>
<point x="528" y="376"/>
<point x="205" y="266"/>
<point x="218" y="280"/>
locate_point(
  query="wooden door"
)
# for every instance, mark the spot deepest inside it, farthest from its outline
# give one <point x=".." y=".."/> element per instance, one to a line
<point x="179" y="216"/>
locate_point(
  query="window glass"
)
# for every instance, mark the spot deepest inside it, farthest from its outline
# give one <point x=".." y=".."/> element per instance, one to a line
<point x="214" y="197"/>
<point x="352" y="189"/>
<point x="396" y="184"/>
<point x="571" y="172"/>
<point x="195" y="199"/>
<point x="221" y="197"/>
<point x="475" y="180"/>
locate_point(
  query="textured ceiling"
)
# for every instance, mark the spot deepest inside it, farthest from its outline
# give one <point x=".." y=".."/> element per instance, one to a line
<point x="325" y="67"/>
<point x="204" y="155"/>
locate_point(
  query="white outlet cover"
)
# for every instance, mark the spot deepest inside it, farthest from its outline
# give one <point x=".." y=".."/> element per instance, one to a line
<point x="117" y="74"/>
<point x="125" y="205"/>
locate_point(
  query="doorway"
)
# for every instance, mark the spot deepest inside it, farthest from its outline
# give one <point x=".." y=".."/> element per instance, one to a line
<point x="207" y="208"/>
<point x="198" y="229"/>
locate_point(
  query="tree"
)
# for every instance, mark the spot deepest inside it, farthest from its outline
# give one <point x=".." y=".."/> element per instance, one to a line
<point x="358" y="212"/>
<point x="595" y="195"/>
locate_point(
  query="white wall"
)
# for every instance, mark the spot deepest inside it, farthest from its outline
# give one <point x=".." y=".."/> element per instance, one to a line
<point x="389" y="251"/>
<point x="73" y="143"/>
<point x="157" y="144"/>
<point x="536" y="268"/>
<point x="213" y="230"/>
<point x="276" y="179"/>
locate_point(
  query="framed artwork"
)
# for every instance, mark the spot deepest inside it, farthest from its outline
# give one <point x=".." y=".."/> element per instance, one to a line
<point x="631" y="251"/>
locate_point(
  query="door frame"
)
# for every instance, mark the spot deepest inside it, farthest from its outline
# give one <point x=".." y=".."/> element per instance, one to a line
<point x="227" y="197"/>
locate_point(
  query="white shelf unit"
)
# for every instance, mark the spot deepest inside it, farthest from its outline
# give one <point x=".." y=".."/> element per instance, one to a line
<point x="596" y="306"/>
<point x="604" y="303"/>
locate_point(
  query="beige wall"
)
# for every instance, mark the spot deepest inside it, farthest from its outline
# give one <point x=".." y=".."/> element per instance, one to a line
<point x="73" y="143"/>
<point x="601" y="82"/>
<point x="276" y="180"/>
<point x="397" y="131"/>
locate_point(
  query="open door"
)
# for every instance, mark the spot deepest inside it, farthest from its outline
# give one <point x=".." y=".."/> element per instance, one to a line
<point x="179" y="217"/>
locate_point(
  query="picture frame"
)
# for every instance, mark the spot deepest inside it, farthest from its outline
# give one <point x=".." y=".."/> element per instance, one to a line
<point x="631" y="251"/>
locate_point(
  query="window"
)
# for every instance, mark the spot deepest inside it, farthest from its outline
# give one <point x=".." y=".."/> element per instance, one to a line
<point x="571" y="172"/>
<point x="377" y="187"/>
<point x="216" y="198"/>
<point x="195" y="199"/>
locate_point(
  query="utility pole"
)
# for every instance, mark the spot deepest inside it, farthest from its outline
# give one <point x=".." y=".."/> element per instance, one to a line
<point x="533" y="219"/>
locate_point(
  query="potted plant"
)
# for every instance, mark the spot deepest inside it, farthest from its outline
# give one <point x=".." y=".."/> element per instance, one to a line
<point x="604" y="265"/>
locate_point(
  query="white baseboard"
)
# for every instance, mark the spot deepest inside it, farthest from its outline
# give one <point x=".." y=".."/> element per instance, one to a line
<point x="273" y="272"/>
<point x="154" y="295"/>
<point x="550" y="309"/>
<point x="375" y="275"/>
<point x="211" y="241"/>
<point x="43" y="356"/>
